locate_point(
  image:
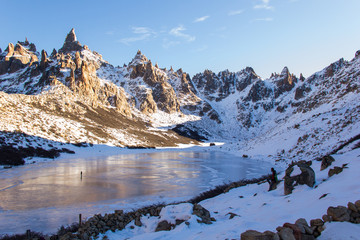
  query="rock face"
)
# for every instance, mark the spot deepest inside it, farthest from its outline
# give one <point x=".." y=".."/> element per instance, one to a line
<point x="162" y="92"/>
<point x="18" y="57"/>
<point x="306" y="176"/>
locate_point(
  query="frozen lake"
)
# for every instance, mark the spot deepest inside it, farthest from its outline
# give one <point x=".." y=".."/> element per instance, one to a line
<point x="44" y="196"/>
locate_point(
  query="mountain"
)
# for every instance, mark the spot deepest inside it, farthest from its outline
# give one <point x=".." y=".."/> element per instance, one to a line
<point x="74" y="96"/>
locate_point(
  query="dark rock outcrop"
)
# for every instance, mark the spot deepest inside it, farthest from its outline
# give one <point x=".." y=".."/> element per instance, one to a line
<point x="307" y="176"/>
<point x="326" y="162"/>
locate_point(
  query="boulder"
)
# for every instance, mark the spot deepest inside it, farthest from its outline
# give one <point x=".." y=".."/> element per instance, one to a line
<point x="255" y="235"/>
<point x="326" y="162"/>
<point x="307" y="176"/>
<point x="163" y="226"/>
<point x="286" y="234"/>
<point x="316" y="222"/>
<point x="304" y="227"/>
<point x="352" y="207"/>
<point x="339" y="213"/>
<point x="357" y="204"/>
<point x="297" y="231"/>
<point x="335" y="170"/>
<point x="202" y="213"/>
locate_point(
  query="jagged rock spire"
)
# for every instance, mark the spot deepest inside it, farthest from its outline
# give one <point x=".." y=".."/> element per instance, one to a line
<point x="285" y="72"/>
<point x="71" y="43"/>
<point x="71" y="37"/>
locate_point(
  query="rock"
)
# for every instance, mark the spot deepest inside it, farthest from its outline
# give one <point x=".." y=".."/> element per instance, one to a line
<point x="138" y="222"/>
<point x="202" y="213"/>
<point x="307" y="176"/>
<point x="286" y="234"/>
<point x="10" y="50"/>
<point x="326" y="162"/>
<point x="352" y="207"/>
<point x="259" y="91"/>
<point x="335" y="170"/>
<point x="316" y="222"/>
<point x="304" y="227"/>
<point x="300" y="91"/>
<point x="339" y="213"/>
<point x="326" y="218"/>
<point x="119" y="212"/>
<point x="255" y="235"/>
<point x="78" y="60"/>
<point x="357" y="204"/>
<point x="297" y="231"/>
<point x="44" y="60"/>
<point x="285" y="82"/>
<point x="163" y="226"/>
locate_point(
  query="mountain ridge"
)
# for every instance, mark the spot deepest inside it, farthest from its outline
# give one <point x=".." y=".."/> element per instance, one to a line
<point x="228" y="106"/>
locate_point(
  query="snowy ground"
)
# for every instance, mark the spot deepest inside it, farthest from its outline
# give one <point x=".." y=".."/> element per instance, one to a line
<point x="260" y="210"/>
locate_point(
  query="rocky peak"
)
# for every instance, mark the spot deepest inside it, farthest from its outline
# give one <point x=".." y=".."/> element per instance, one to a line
<point x="71" y="37"/>
<point x="284" y="82"/>
<point x="285" y="72"/>
<point x="138" y="59"/>
<point x="17" y="58"/>
<point x="357" y="54"/>
<point x="71" y="44"/>
<point x="245" y="78"/>
<point x="30" y="46"/>
<point x="301" y="78"/>
<point x="334" y="67"/>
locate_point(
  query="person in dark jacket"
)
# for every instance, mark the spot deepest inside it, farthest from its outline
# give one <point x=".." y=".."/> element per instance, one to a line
<point x="273" y="181"/>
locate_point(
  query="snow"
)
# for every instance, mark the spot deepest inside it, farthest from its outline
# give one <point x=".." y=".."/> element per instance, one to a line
<point x="340" y="230"/>
<point x="260" y="210"/>
<point x="296" y="171"/>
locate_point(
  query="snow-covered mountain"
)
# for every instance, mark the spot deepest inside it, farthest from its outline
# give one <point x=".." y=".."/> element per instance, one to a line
<point x="73" y="95"/>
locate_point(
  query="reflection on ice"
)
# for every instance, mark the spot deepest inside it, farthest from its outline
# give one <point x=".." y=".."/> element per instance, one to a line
<point x="46" y="195"/>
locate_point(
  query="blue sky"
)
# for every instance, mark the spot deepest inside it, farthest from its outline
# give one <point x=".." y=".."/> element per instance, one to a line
<point x="305" y="35"/>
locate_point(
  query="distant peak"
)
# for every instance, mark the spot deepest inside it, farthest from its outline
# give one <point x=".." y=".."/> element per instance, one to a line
<point x="71" y="37"/>
<point x="139" y="59"/>
<point x="285" y="71"/>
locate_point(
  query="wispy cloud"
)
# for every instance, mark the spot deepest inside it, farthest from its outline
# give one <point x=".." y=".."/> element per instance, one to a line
<point x="201" y="19"/>
<point x="142" y="33"/>
<point x="263" y="20"/>
<point x="168" y="43"/>
<point x="265" y="4"/>
<point x="236" y="12"/>
<point x="179" y="32"/>
<point x="110" y="32"/>
<point x="202" y="48"/>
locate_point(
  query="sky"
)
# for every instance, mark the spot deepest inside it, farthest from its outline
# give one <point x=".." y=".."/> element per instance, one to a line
<point x="267" y="35"/>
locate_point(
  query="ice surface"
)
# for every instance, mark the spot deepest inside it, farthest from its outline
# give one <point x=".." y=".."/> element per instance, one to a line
<point x="45" y="195"/>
